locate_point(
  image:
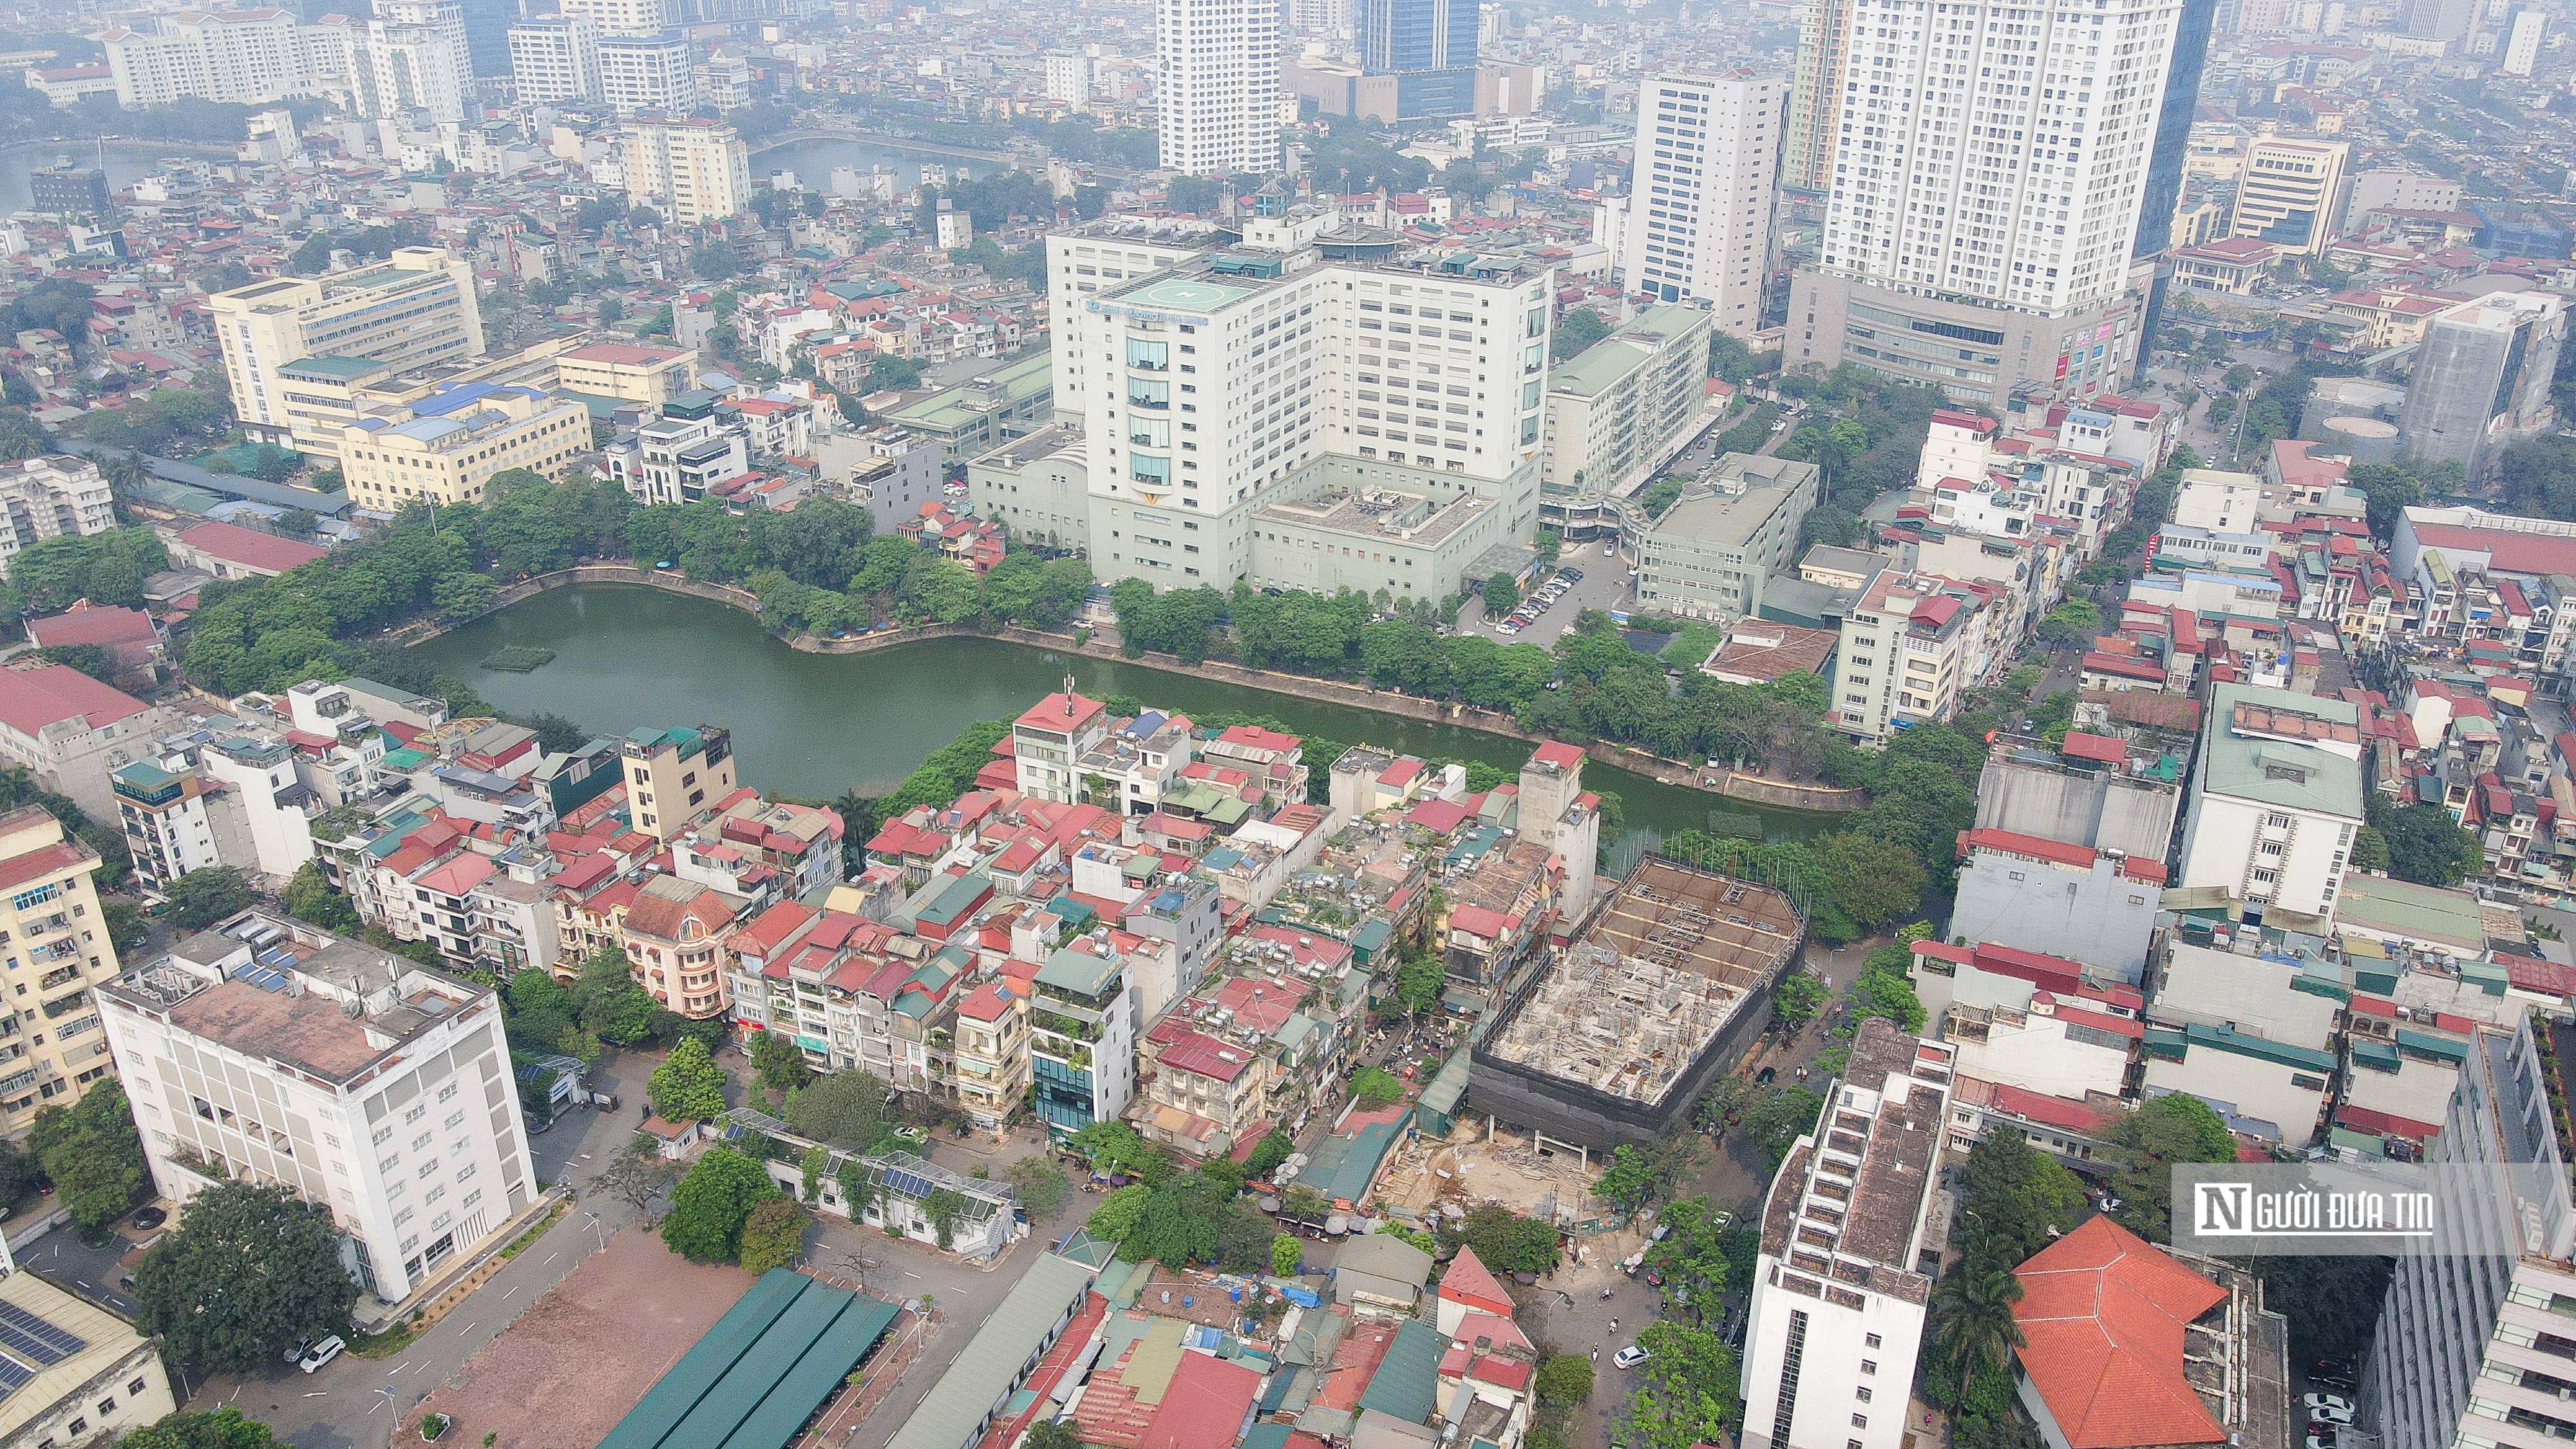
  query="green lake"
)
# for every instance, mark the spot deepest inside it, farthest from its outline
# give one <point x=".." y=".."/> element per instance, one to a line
<point x="813" y="725"/>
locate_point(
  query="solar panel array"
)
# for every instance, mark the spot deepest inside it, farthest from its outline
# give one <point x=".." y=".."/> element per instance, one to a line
<point x="33" y="1343"/>
<point x="263" y="977"/>
<point x="32" y="1338"/>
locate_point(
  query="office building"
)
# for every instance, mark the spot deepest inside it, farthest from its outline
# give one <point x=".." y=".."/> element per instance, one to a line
<point x="2471" y="1343"/>
<point x="1409" y="390"/>
<point x="1619" y="410"/>
<point x="1708" y="555"/>
<point x="1068" y="78"/>
<point x="1839" y="1291"/>
<point x="2275" y="799"/>
<point x="677" y="460"/>
<point x="51" y="496"/>
<point x="647" y="73"/>
<point x="2290" y="193"/>
<point x="413" y="60"/>
<point x="2481" y="379"/>
<point x="444" y="448"/>
<point x="69" y="731"/>
<point x="266" y="1051"/>
<point x="628" y="371"/>
<point x="67" y="190"/>
<point x="1815" y="98"/>
<point x="236" y="57"/>
<point x="1698" y="227"/>
<point x="625" y="17"/>
<point x="1979" y="230"/>
<point x="1429" y="46"/>
<point x="1217" y="86"/>
<point x="690" y="171"/>
<point x="2522" y="42"/>
<point x="50" y="1049"/>
<point x="671" y="774"/>
<point x="413" y="309"/>
<point x="555" y="58"/>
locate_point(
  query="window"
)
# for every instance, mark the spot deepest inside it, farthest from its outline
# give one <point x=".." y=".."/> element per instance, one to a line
<point x="1869" y="1365"/>
<point x="1873" y="1341"/>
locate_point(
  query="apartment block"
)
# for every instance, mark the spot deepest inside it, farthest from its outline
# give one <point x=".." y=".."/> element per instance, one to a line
<point x="413" y="309"/>
<point x="1217" y="93"/>
<point x="1978" y="231"/>
<point x="50" y="1049"/>
<point x="446" y="447"/>
<point x="266" y="1051"/>
<point x="412" y="60"/>
<point x="992" y="1053"/>
<point x="235" y="57"/>
<point x="69" y="731"/>
<point x="52" y="496"/>
<point x="671" y="774"/>
<point x="690" y="171"/>
<point x="1910" y="645"/>
<point x="1698" y="227"/>
<point x="626" y="17"/>
<point x="647" y="73"/>
<point x="2275" y="799"/>
<point x="1841" y="1284"/>
<point x="555" y="58"/>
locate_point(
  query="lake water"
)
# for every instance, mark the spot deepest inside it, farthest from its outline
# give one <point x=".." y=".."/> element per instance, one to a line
<point x="125" y="166"/>
<point x="812" y="161"/>
<point x="629" y="657"/>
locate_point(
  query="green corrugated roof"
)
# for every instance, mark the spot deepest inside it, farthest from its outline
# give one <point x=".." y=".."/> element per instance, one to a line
<point x="1077" y="971"/>
<point x="2279" y="772"/>
<point x="730" y="1400"/>
<point x="781" y="1412"/>
<point x="1345" y="1163"/>
<point x="2227" y="1039"/>
<point x="987" y="1370"/>
<point x="2418" y="912"/>
<point x="1407" y="1382"/>
<point x="2431" y="1044"/>
<point x="1592" y="371"/>
<point x="707" y="1361"/>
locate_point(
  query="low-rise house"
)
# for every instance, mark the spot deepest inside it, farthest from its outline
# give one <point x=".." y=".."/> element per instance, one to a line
<point x="2243" y="1034"/>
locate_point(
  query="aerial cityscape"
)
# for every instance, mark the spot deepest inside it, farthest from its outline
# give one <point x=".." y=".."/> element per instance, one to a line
<point x="1287" y="724"/>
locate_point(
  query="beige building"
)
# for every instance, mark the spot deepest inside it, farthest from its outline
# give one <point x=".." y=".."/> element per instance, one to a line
<point x="992" y="1053"/>
<point x="671" y="775"/>
<point x="447" y="446"/>
<point x="627" y="370"/>
<point x="1618" y="409"/>
<point x="410" y="310"/>
<point x="2291" y="192"/>
<point x="51" y="1050"/>
<point x="690" y="171"/>
<point x="92" y="1381"/>
<point x="49" y="497"/>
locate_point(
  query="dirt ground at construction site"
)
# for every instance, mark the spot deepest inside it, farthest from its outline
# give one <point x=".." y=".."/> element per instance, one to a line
<point x="1472" y="1170"/>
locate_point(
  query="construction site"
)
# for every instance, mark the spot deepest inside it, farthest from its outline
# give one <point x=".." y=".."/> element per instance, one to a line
<point x="1612" y="1043"/>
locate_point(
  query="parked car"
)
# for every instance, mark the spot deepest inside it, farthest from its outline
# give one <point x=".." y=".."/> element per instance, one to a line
<point x="321" y="1353"/>
<point x="1633" y="1355"/>
<point x="2327" y="1409"/>
<point x="2321" y="1441"/>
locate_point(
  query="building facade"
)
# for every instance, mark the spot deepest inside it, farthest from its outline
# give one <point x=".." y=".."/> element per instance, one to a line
<point x="413" y="309"/>
<point x="51" y="1052"/>
<point x="446" y="447"/>
<point x="2275" y="800"/>
<point x="2291" y="192"/>
<point x="1978" y="232"/>
<point x="1699" y="207"/>
<point x="2482" y="379"/>
<point x="265" y="1051"/>
<point x="647" y="73"/>
<point x="555" y="58"/>
<point x="1217" y="85"/>
<point x="690" y="171"/>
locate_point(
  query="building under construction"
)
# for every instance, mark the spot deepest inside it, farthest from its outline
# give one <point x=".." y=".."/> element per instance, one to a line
<point x="1613" y="1042"/>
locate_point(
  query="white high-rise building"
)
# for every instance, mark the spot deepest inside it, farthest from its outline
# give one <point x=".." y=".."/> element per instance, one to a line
<point x="266" y="1051"/>
<point x="626" y="17"/>
<point x="555" y="58"/>
<point x="639" y="73"/>
<point x="411" y="58"/>
<point x="2522" y="41"/>
<point x="1986" y="185"/>
<point x="1068" y="78"/>
<point x="1217" y="63"/>
<point x="690" y="171"/>
<point x="1837" y="1316"/>
<point x="1699" y="213"/>
<point x="1236" y="399"/>
<point x="238" y="57"/>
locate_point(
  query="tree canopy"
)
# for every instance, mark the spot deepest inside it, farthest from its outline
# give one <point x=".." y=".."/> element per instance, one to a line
<point x="252" y="1270"/>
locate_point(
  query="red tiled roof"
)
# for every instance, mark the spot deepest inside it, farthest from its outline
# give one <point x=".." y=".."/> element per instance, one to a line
<point x="2102" y="1315"/>
<point x="2101" y="748"/>
<point x="249" y="547"/>
<point x="92" y="624"/>
<point x="1469" y="1281"/>
<point x="33" y="696"/>
<point x="1204" y="1405"/>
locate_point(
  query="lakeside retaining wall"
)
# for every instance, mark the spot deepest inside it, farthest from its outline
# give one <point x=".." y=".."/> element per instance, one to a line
<point x="1715" y="780"/>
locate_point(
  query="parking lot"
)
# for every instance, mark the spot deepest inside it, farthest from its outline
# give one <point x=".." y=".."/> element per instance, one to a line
<point x="1604" y="585"/>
